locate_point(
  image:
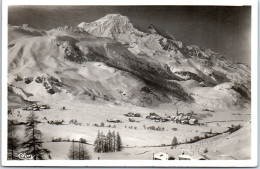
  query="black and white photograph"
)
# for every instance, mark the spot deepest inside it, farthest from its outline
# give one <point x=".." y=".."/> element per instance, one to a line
<point x="128" y="83"/>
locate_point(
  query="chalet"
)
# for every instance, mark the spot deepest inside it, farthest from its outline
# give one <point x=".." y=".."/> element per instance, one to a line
<point x="188" y="157"/>
<point x="155" y="117"/>
<point x="193" y="121"/>
<point x="184" y="121"/>
<point x="161" y="156"/>
<point x="131" y="119"/>
<point x="153" y="114"/>
<point x="185" y="118"/>
<point x="57" y="122"/>
<point x="29" y="108"/>
<point x="165" y="119"/>
<point x="178" y="118"/>
<point x="137" y="115"/>
<point x="113" y="120"/>
<point x="43" y="107"/>
<point x="36" y="109"/>
<point x="34" y="105"/>
<point x="130" y="114"/>
<point x="184" y="157"/>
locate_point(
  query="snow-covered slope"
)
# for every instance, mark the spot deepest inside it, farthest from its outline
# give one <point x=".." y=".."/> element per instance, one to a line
<point x="110" y="60"/>
<point x="23" y="31"/>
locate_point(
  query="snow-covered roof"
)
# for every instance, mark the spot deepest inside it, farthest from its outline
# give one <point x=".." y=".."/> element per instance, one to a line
<point x="184" y="156"/>
<point x="193" y="157"/>
<point x="161" y="156"/>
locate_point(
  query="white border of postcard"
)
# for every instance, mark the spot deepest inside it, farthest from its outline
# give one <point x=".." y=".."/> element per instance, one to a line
<point x="136" y="163"/>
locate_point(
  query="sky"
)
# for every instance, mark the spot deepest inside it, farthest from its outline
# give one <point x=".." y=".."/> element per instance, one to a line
<point x="225" y="29"/>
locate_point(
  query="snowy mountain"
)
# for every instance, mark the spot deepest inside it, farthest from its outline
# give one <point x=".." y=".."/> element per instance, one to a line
<point x="110" y="60"/>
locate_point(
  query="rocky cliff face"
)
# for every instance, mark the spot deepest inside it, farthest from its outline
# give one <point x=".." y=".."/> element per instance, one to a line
<point x="110" y="60"/>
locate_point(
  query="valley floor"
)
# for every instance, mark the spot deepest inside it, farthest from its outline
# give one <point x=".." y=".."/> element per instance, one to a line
<point x="139" y="141"/>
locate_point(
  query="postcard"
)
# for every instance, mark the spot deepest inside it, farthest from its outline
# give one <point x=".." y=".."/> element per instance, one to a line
<point x="138" y="84"/>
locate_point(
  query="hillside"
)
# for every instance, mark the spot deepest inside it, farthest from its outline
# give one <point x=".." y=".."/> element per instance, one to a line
<point x="87" y="79"/>
<point x="111" y="60"/>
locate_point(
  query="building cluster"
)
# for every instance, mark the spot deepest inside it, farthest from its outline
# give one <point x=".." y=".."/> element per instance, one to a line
<point x="35" y="107"/>
<point x="130" y="114"/>
<point x="157" y="118"/>
<point x="182" y="118"/>
<point x="185" y="119"/>
<point x="179" y="118"/>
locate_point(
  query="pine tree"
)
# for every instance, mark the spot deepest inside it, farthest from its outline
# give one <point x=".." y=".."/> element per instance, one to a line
<point x="113" y="141"/>
<point x="83" y="152"/>
<point x="73" y="151"/>
<point x="78" y="152"/>
<point x="109" y="142"/>
<point x="97" y="143"/>
<point x="119" y="144"/>
<point x="105" y="142"/>
<point x="12" y="142"/>
<point x="33" y="144"/>
<point x="174" y="141"/>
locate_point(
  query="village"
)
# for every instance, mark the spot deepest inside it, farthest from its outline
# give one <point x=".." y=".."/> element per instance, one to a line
<point x="141" y="129"/>
<point x="181" y="118"/>
<point x="35" y="107"/>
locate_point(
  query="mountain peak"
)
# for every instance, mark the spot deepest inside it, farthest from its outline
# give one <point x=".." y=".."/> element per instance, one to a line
<point x="116" y="16"/>
<point x="108" y="26"/>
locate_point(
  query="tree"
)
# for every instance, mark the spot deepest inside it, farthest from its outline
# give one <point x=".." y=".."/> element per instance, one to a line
<point x="73" y="151"/>
<point x="108" y="143"/>
<point x="102" y="124"/>
<point x="82" y="140"/>
<point x="206" y="150"/>
<point x="78" y="152"/>
<point x="98" y="143"/>
<point x="114" y="141"/>
<point x="33" y="143"/>
<point x="174" y="141"/>
<point x="119" y="144"/>
<point x="12" y="142"/>
<point x="83" y="153"/>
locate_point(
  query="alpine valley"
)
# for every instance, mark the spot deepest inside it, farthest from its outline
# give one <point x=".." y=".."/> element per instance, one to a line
<point x="105" y="74"/>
